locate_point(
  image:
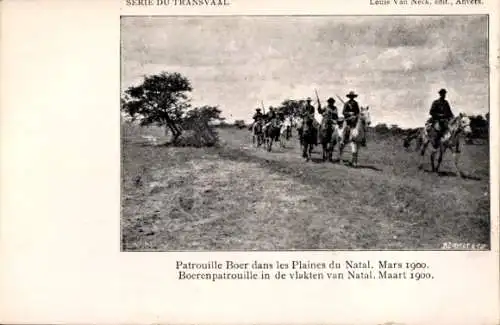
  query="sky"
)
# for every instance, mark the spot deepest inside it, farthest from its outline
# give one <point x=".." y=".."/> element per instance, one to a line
<point x="395" y="64"/>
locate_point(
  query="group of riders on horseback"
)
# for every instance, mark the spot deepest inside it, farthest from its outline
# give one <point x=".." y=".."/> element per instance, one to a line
<point x="309" y="130"/>
<point x="441" y="128"/>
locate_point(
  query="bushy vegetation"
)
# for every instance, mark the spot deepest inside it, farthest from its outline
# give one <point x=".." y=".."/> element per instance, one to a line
<point x="240" y="124"/>
<point x="163" y="100"/>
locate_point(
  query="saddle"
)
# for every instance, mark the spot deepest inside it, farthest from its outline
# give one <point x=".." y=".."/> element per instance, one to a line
<point x="258" y="123"/>
<point x="351" y="120"/>
<point x="436" y="129"/>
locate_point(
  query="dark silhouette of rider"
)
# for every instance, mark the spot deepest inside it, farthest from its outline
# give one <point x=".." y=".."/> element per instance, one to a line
<point x="271" y="114"/>
<point x="351" y="109"/>
<point x="330" y="112"/>
<point x="441" y="113"/>
<point x="308" y="118"/>
<point x="256" y="117"/>
<point x="351" y="113"/>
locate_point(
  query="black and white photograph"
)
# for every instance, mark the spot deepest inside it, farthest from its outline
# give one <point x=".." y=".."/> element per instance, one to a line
<point x="285" y="133"/>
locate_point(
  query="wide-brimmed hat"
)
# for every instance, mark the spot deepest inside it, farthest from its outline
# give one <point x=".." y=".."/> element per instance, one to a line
<point x="308" y="99"/>
<point x="351" y="94"/>
<point x="330" y="100"/>
<point x="258" y="109"/>
<point x="442" y="91"/>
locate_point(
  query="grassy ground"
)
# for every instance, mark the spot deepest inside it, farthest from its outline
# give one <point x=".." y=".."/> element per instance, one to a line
<point x="237" y="197"/>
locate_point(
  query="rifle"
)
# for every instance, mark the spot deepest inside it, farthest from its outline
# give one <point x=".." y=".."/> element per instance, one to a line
<point x="343" y="103"/>
<point x="319" y="102"/>
<point x="263" y="108"/>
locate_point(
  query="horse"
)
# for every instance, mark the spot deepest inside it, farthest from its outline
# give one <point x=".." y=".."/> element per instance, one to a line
<point x="258" y="133"/>
<point x="457" y="126"/>
<point x="298" y="123"/>
<point x="308" y="137"/>
<point x="285" y="131"/>
<point x="326" y="138"/>
<point x="353" y="135"/>
<point x="272" y="132"/>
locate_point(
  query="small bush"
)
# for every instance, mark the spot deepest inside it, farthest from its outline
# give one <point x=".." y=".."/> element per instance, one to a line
<point x="240" y="124"/>
<point x="197" y="128"/>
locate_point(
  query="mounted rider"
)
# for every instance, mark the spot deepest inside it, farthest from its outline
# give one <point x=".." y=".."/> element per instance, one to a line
<point x="351" y="109"/>
<point x="330" y="112"/>
<point x="307" y="115"/>
<point x="257" y="116"/>
<point x="351" y="113"/>
<point x="441" y="114"/>
<point x="271" y="114"/>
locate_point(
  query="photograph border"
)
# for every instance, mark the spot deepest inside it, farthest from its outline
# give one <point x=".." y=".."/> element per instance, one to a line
<point x="490" y="144"/>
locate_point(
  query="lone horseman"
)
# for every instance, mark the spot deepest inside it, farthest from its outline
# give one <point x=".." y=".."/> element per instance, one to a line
<point x="351" y="114"/>
<point x="441" y="114"/>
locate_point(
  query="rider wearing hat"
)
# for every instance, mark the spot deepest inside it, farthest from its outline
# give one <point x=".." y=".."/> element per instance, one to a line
<point x="351" y="109"/>
<point x="441" y="113"/>
<point x="330" y="111"/>
<point x="271" y="114"/>
<point x="351" y="112"/>
<point x="258" y="115"/>
<point x="309" y="109"/>
<point x="308" y="115"/>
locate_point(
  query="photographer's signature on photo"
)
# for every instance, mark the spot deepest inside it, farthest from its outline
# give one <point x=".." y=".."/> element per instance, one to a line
<point x="464" y="246"/>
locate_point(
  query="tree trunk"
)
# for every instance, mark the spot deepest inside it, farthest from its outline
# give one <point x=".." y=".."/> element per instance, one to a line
<point x="176" y="132"/>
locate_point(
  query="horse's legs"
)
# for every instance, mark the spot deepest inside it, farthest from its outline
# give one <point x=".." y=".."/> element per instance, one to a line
<point x="332" y="149"/>
<point x="341" y="151"/>
<point x="419" y="143"/>
<point x="354" y="150"/>
<point x="433" y="157"/>
<point x="440" y="157"/>
<point x="329" y="150"/>
<point x="456" y="156"/>
<point x="306" y="151"/>
<point x="422" y="154"/>
<point x="324" y="150"/>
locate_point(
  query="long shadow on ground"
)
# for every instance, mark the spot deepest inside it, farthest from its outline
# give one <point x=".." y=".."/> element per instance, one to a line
<point x="452" y="174"/>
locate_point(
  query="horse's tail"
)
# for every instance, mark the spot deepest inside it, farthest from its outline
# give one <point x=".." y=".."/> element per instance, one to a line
<point x="411" y="136"/>
<point x="407" y="140"/>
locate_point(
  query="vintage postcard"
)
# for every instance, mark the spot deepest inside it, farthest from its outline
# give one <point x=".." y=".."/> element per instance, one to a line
<point x="237" y="162"/>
